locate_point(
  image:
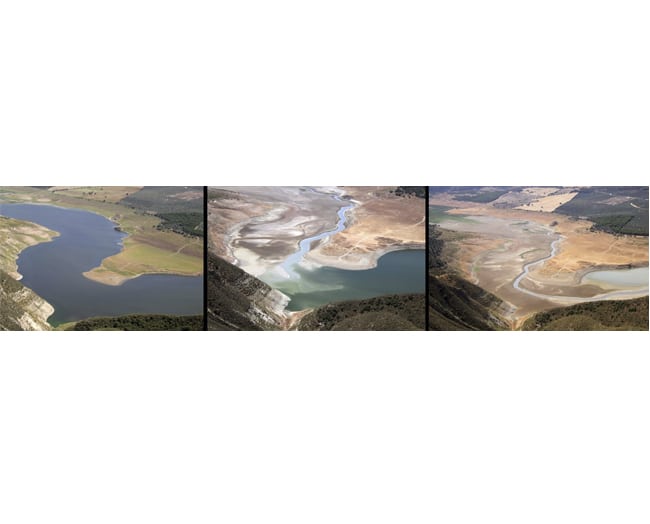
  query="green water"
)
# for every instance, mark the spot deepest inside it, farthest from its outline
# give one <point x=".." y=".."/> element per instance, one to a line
<point x="396" y="273"/>
<point x="438" y="215"/>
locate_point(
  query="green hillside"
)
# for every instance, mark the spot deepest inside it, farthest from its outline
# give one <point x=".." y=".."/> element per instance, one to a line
<point x="604" y="315"/>
<point x="386" y="313"/>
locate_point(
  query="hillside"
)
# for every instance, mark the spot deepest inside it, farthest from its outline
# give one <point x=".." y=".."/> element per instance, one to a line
<point x="20" y="308"/>
<point x="238" y="301"/>
<point x="386" y="313"/>
<point x="458" y="305"/>
<point x="609" y="315"/>
<point x="140" y="323"/>
<point x="454" y="303"/>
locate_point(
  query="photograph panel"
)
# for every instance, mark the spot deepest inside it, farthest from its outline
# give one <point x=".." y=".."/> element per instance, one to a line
<point x="316" y="258"/>
<point x="101" y="257"/>
<point x="538" y="258"/>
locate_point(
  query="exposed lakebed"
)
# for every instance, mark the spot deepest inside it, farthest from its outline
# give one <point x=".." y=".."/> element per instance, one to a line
<point x="54" y="270"/>
<point x="396" y="272"/>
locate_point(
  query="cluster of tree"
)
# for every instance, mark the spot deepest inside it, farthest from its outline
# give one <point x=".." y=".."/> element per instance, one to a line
<point x="620" y="225"/>
<point x="618" y="210"/>
<point x="418" y="191"/>
<point x="141" y="323"/>
<point x="604" y="315"/>
<point x="385" y="313"/>
<point x="436" y="245"/>
<point x="482" y="197"/>
<point x="183" y="223"/>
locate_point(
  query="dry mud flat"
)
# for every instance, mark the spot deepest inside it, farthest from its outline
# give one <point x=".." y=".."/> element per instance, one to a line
<point x="498" y="244"/>
<point x="257" y="228"/>
<point x="380" y="223"/>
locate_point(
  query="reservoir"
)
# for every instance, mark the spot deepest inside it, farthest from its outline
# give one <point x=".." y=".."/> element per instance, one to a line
<point x="397" y="272"/>
<point x="618" y="278"/>
<point x="54" y="270"/>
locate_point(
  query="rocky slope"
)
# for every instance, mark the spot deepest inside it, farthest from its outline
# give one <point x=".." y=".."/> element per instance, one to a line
<point x="20" y="308"/>
<point x="454" y="303"/>
<point x="238" y="301"/>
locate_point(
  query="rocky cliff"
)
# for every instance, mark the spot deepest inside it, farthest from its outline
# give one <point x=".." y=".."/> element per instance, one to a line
<point x="239" y="301"/>
<point x="20" y="308"/>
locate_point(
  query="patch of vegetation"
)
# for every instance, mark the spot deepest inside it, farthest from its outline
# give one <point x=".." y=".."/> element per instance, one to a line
<point x="418" y="191"/>
<point x="183" y="223"/>
<point x="616" y="210"/>
<point x="179" y="208"/>
<point x="385" y="313"/>
<point x="482" y="197"/>
<point x="604" y="315"/>
<point x="141" y="323"/>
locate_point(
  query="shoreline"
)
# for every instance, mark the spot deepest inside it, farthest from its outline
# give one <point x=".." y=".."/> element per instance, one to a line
<point x="365" y="260"/>
<point x="116" y="280"/>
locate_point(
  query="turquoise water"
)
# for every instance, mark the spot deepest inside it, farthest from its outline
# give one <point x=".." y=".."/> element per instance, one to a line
<point x="618" y="278"/>
<point x="396" y="273"/>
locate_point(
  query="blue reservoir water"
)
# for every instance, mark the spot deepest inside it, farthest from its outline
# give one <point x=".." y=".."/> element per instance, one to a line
<point x="54" y="270"/>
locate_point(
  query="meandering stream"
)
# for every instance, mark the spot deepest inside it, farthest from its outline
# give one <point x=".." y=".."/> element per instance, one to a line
<point x="611" y="275"/>
<point x="396" y="272"/>
<point x="290" y="263"/>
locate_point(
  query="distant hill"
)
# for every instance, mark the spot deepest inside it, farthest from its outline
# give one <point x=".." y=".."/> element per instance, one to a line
<point x="20" y="308"/>
<point x="140" y="323"/>
<point x="238" y="301"/>
<point x="385" y="313"/>
<point x="617" y="210"/>
<point x="604" y="315"/>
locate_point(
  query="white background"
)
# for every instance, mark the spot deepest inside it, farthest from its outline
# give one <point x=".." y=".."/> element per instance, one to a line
<point x="316" y="427"/>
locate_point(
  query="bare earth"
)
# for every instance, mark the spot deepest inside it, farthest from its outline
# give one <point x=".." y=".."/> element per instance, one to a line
<point x="256" y="228"/>
<point x="17" y="235"/>
<point x="494" y="245"/>
<point x="382" y="222"/>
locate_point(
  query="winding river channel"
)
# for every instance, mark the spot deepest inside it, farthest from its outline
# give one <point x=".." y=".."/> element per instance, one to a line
<point x="634" y="282"/>
<point x="396" y="272"/>
<point x="54" y="270"/>
<point x="290" y="263"/>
